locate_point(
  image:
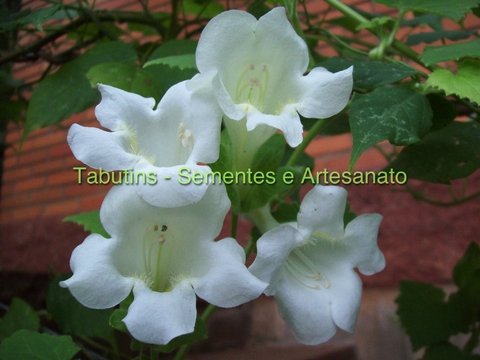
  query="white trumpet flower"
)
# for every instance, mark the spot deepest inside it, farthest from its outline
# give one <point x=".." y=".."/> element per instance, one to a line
<point x="256" y="70"/>
<point x="310" y="265"/>
<point x="184" y="130"/>
<point x="166" y="256"/>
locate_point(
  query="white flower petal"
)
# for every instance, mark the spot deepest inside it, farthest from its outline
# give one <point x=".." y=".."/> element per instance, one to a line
<point x="361" y="236"/>
<point x="119" y="108"/>
<point x="345" y="293"/>
<point x="280" y="43"/>
<point x="158" y="317"/>
<point x="225" y="101"/>
<point x="324" y="93"/>
<point x="273" y="248"/>
<point x="307" y="311"/>
<point x="123" y="209"/>
<point x="201" y="117"/>
<point x="287" y="121"/>
<point x="322" y="211"/>
<point x="227" y="282"/>
<point x="169" y="191"/>
<point x="96" y="283"/>
<point x="100" y="149"/>
<point x="225" y="39"/>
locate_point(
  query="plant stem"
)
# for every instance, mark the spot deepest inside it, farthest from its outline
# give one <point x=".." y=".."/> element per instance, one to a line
<point x="352" y="14"/>
<point x="314" y="130"/>
<point x="347" y="11"/>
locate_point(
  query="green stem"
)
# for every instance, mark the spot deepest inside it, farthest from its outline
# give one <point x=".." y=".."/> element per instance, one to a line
<point x="352" y="14"/>
<point x="263" y="219"/>
<point x="347" y="11"/>
<point x="314" y="130"/>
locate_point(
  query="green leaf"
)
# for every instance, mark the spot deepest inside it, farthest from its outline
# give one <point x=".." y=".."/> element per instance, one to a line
<point x="72" y="317"/>
<point x="204" y="8"/>
<point x="163" y="76"/>
<point x="116" y="320"/>
<point x="19" y="316"/>
<point x="119" y="314"/>
<point x="370" y="74"/>
<point x="432" y="55"/>
<point x="455" y="10"/>
<point x="174" y="47"/>
<point x="286" y="212"/>
<point x="424" y="314"/>
<point x="432" y="36"/>
<point x="117" y="74"/>
<point x="452" y="152"/>
<point x="432" y="20"/>
<point x="29" y="345"/>
<point x="90" y="221"/>
<point x="463" y="83"/>
<point x="447" y="351"/>
<point x="266" y="161"/>
<point x="68" y="91"/>
<point x="224" y="164"/>
<point x="444" y="112"/>
<point x="185" y="61"/>
<point x="466" y="275"/>
<point x="397" y="114"/>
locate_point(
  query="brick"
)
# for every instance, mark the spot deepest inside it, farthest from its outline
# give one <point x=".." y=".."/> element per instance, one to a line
<point x="33" y="183"/>
<point x="15" y="173"/>
<point x="26" y="213"/>
<point x="33" y="157"/>
<point x="60" y="150"/>
<point x="329" y="144"/>
<point x="92" y="202"/>
<point x="63" y="208"/>
<point x="84" y="189"/>
<point x="49" y="166"/>
<point x="62" y="177"/>
<point x="10" y="162"/>
<point x="51" y="138"/>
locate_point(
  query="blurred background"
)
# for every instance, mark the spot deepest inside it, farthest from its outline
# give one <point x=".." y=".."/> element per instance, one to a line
<point x="421" y="239"/>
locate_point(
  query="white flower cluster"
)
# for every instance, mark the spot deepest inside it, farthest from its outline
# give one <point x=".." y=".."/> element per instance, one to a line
<point x="162" y="244"/>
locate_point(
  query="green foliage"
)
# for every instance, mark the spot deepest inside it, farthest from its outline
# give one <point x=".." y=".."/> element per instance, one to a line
<point x="72" y="317"/>
<point x="68" y="91"/>
<point x="19" y="316"/>
<point x="447" y="351"/>
<point x="90" y="221"/>
<point x="267" y="159"/>
<point x="466" y="275"/>
<point x="463" y="83"/>
<point x="455" y="10"/>
<point x="397" y="114"/>
<point x="433" y="55"/>
<point x="450" y="153"/>
<point x="204" y="8"/>
<point x="28" y="345"/>
<point x="185" y="61"/>
<point x="425" y="315"/>
<point x="431" y="318"/>
<point x="370" y="74"/>
<point x="444" y="112"/>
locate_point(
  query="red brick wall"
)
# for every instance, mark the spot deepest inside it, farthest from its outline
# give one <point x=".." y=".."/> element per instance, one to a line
<point x="39" y="189"/>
